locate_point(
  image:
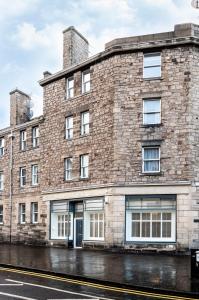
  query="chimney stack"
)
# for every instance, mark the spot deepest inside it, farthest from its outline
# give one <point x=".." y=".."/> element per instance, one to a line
<point x="19" y="107"/>
<point x="75" y="47"/>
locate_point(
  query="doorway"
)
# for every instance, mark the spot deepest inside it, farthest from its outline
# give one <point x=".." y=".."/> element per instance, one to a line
<point x="78" y="232"/>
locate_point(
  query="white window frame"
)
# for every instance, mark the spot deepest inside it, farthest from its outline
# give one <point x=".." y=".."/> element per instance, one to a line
<point x="68" y="167"/>
<point x="22" y="213"/>
<point x="85" y="125"/>
<point x="34" y="212"/>
<point x="69" y="127"/>
<point x="22" y="176"/>
<point x="86" y="84"/>
<point x="35" y="136"/>
<point x="1" y="214"/>
<point x="70" y="90"/>
<point x="2" y="146"/>
<point x="55" y="225"/>
<point x="152" y="112"/>
<point x="143" y="160"/>
<point x="87" y="225"/>
<point x="145" y="55"/>
<point x="1" y="181"/>
<point x="84" y="166"/>
<point x="23" y="139"/>
<point x="150" y="239"/>
<point x="34" y="173"/>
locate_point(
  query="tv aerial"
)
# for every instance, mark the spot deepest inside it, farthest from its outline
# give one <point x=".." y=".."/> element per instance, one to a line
<point x="195" y="3"/>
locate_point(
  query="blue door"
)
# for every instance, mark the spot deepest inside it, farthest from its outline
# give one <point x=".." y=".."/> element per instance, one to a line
<point x="79" y="232"/>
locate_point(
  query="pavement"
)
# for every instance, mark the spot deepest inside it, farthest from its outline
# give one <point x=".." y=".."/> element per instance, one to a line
<point x="155" y="271"/>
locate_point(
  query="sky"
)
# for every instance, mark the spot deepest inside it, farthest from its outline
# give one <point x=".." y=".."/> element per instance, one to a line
<point x="31" y="35"/>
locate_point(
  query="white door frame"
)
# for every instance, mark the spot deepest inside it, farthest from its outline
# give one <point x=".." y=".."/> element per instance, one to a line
<point x="78" y="218"/>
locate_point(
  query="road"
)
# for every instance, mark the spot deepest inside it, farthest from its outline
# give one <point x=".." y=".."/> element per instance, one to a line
<point x="19" y="284"/>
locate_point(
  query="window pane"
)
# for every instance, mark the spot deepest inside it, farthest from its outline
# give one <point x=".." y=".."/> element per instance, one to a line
<point x="135" y="229"/>
<point x="166" y="229"/>
<point x="135" y="216"/>
<point x="152" y="59"/>
<point x="151" y="153"/>
<point x="156" y="216"/>
<point x="152" y="118"/>
<point x="166" y="216"/>
<point x="86" y="77"/>
<point x="156" y="229"/>
<point x="146" y="216"/>
<point x="152" y="72"/>
<point x="152" y="166"/>
<point x="151" y="106"/>
<point x="145" y="229"/>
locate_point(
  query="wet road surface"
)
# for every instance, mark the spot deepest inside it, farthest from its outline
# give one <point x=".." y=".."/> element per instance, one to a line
<point x="18" y="284"/>
<point x="157" y="271"/>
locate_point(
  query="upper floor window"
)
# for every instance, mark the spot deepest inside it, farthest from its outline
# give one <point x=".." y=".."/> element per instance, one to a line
<point x="35" y="175"/>
<point x="68" y="168"/>
<point x="69" y="127"/>
<point x="152" y="65"/>
<point x="34" y="212"/>
<point x="84" y="161"/>
<point x="86" y="81"/>
<point x="150" y="159"/>
<point x="23" y="140"/>
<point x="35" y="136"/>
<point x="1" y="181"/>
<point x="22" y="213"/>
<point x="2" y="145"/>
<point x="70" y="88"/>
<point x="1" y="214"/>
<point x="22" y="177"/>
<point x="85" y="122"/>
<point x="151" y="111"/>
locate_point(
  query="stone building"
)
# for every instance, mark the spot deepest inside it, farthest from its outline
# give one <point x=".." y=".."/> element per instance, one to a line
<point x="114" y="159"/>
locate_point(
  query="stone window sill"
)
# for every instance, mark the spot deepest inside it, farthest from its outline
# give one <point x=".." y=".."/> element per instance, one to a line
<point x="151" y="125"/>
<point x="151" y="174"/>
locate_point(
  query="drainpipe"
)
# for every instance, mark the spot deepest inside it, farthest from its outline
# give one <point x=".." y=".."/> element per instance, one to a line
<point x="11" y="136"/>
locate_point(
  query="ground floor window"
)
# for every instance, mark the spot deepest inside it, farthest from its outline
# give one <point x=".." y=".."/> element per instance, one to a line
<point x="96" y="225"/>
<point x="61" y="220"/>
<point x="151" y="219"/>
<point x="1" y="214"/>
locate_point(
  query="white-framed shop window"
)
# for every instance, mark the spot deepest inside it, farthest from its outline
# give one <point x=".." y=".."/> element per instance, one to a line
<point x="23" y="140"/>
<point x="70" y="87"/>
<point x="1" y="180"/>
<point x="2" y="146"/>
<point x="151" y="159"/>
<point x="35" y="179"/>
<point x="34" y="212"/>
<point x="61" y="225"/>
<point x="84" y="163"/>
<point x="69" y="127"/>
<point x="35" y="136"/>
<point x="151" y="218"/>
<point x="68" y="168"/>
<point x="85" y="122"/>
<point x="152" y="65"/>
<point x="151" y="111"/>
<point x="86" y="86"/>
<point x="1" y="214"/>
<point x="22" y="213"/>
<point x="22" y="172"/>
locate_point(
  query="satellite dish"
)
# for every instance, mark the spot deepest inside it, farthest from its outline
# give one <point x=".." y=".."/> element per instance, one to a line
<point x="195" y="3"/>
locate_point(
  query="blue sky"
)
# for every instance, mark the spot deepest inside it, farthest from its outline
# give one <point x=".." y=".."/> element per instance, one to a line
<point x="31" y="35"/>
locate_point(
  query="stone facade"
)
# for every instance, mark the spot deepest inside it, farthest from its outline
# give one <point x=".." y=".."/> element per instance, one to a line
<point x="114" y="144"/>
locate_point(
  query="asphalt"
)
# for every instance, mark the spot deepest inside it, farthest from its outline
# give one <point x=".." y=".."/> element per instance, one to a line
<point x="154" y="271"/>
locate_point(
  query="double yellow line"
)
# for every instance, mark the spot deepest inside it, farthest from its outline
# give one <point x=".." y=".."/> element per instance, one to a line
<point x="97" y="286"/>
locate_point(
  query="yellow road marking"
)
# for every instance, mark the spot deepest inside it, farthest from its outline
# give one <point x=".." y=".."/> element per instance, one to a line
<point x="97" y="286"/>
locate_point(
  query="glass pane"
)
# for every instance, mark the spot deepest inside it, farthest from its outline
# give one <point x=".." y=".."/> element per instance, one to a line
<point x="166" y="216"/>
<point x="152" y="59"/>
<point x="101" y="229"/>
<point x="156" y="216"/>
<point x="152" y="118"/>
<point x="151" y="153"/>
<point x="96" y="229"/>
<point x="151" y="166"/>
<point x="146" y="216"/>
<point x="152" y="72"/>
<point x="145" y="229"/>
<point x="87" y="86"/>
<point x="135" y="216"/>
<point x="135" y="229"/>
<point x="86" y="77"/>
<point x="166" y="229"/>
<point x="70" y="83"/>
<point x="156" y="229"/>
<point x="151" y="106"/>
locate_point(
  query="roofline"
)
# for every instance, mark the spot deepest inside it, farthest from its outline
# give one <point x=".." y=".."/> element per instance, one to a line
<point x="19" y="91"/>
<point x="121" y="49"/>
